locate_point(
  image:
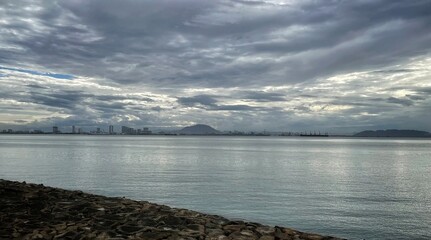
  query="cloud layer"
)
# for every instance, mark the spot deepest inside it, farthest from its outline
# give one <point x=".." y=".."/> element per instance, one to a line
<point x="338" y="66"/>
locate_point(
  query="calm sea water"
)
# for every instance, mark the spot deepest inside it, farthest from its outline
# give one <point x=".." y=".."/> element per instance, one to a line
<point x="352" y="188"/>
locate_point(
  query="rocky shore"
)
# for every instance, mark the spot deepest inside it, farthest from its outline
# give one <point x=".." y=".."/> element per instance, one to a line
<point x="33" y="211"/>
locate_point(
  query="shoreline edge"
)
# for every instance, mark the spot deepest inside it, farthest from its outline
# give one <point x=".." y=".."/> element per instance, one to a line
<point x="34" y="211"/>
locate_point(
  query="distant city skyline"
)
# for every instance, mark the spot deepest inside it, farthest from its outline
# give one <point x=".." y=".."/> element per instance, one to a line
<point x="126" y="130"/>
<point x="335" y="66"/>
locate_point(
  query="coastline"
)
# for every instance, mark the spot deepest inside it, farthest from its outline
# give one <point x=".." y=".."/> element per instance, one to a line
<point x="34" y="211"/>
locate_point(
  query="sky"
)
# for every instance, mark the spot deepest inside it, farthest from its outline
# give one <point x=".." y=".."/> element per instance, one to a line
<point x="294" y="65"/>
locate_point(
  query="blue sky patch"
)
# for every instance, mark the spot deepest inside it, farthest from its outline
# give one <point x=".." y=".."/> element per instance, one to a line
<point x="53" y="75"/>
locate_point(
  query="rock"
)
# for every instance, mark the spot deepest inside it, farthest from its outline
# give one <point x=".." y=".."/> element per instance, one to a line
<point x="172" y="220"/>
<point x="239" y="236"/>
<point x="155" y="235"/>
<point x="211" y="224"/>
<point x="232" y="228"/>
<point x="279" y="234"/>
<point x="265" y="230"/>
<point x="214" y="232"/>
<point x="189" y="233"/>
<point x="221" y="237"/>
<point x="312" y="236"/>
<point x="266" y="238"/>
<point x="197" y="227"/>
<point x="102" y="235"/>
<point x="248" y="233"/>
<point x="129" y="229"/>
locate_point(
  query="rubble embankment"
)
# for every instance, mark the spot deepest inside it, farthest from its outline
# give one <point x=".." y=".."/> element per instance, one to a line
<point x="34" y="211"/>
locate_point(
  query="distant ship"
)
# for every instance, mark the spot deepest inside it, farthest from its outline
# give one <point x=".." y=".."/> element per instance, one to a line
<point x="314" y="135"/>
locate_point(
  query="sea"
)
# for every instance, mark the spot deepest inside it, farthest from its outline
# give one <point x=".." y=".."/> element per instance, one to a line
<point x="355" y="188"/>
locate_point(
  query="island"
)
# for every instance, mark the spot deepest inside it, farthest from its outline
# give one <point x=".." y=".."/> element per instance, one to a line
<point x="394" y="133"/>
<point x="198" y="129"/>
<point x="34" y="211"/>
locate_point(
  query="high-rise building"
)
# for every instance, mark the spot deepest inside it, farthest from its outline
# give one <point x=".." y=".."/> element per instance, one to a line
<point x="55" y="129"/>
<point x="98" y="130"/>
<point x="125" y="130"/>
<point x="73" y="129"/>
<point x="128" y="130"/>
<point x="146" y="131"/>
<point x="111" y="129"/>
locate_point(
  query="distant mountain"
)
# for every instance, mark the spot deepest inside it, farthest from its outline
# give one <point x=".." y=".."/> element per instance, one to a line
<point x="393" y="133"/>
<point x="199" y="129"/>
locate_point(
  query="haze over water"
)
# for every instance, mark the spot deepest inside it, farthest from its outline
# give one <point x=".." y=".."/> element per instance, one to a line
<point x="353" y="188"/>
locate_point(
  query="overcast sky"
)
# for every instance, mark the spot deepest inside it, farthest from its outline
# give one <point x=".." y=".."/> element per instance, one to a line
<point x="293" y="65"/>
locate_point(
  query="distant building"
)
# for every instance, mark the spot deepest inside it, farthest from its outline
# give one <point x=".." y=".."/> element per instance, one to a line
<point x="111" y="129"/>
<point x="98" y="130"/>
<point x="55" y="129"/>
<point x="73" y="129"/>
<point x="79" y="130"/>
<point x="127" y="130"/>
<point x="146" y="131"/>
<point x="130" y="131"/>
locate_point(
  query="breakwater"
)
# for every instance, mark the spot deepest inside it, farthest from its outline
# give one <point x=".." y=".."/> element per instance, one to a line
<point x="34" y="211"/>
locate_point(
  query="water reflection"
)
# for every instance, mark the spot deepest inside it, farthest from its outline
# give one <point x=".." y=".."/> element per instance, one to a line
<point x="356" y="188"/>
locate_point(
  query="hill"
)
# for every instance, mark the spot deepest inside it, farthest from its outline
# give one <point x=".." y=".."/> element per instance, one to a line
<point x="199" y="129"/>
<point x="393" y="133"/>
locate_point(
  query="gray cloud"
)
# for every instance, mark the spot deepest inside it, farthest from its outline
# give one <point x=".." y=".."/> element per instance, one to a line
<point x="123" y="97"/>
<point x="415" y="97"/>
<point x="200" y="42"/>
<point x="35" y="86"/>
<point x="204" y="100"/>
<point x="424" y="90"/>
<point x="261" y="96"/>
<point x="210" y="103"/>
<point x="145" y="61"/>
<point x="235" y="108"/>
<point x="405" y="102"/>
